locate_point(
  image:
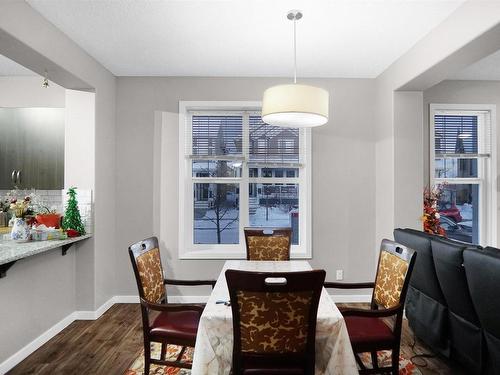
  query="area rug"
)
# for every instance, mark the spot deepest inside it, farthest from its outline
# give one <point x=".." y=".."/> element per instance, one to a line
<point x="406" y="367"/>
<point x="173" y="351"/>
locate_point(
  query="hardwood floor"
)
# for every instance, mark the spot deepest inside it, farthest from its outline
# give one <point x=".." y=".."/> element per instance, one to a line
<point x="108" y="346"/>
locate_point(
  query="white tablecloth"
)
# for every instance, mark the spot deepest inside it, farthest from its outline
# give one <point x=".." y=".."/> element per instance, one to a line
<point x="214" y="342"/>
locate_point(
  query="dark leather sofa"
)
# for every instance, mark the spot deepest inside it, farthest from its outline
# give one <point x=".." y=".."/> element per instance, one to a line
<point x="483" y="275"/>
<point x="453" y="300"/>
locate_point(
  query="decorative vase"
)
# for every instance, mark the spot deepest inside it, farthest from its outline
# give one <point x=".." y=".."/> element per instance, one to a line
<point x="20" y="230"/>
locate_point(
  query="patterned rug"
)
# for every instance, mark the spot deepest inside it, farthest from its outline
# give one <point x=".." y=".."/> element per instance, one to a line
<point x="406" y="367"/>
<point x="173" y="351"/>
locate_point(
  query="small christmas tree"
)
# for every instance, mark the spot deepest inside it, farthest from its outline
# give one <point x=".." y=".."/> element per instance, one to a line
<point x="72" y="219"/>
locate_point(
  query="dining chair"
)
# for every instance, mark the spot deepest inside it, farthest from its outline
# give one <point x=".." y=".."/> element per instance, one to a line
<point x="268" y="243"/>
<point x="379" y="328"/>
<point x="274" y="321"/>
<point x="175" y="324"/>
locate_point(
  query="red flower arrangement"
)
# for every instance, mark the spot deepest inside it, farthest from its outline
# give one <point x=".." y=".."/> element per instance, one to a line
<point x="430" y="217"/>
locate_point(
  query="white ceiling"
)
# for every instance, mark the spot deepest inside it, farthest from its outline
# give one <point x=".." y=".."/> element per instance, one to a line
<point x="336" y="38"/>
<point x="484" y="70"/>
<point x="11" y="68"/>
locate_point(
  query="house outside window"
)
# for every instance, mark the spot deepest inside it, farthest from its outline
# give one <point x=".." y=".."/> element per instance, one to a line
<point x="462" y="161"/>
<point x="236" y="171"/>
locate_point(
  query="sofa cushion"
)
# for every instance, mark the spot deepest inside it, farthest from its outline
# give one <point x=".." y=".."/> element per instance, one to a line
<point x="448" y="260"/>
<point x="428" y="319"/>
<point x="493" y="357"/>
<point x="424" y="276"/>
<point x="483" y="277"/>
<point x="466" y="342"/>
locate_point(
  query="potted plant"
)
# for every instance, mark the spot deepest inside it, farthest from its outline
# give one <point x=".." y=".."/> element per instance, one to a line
<point x="430" y="217"/>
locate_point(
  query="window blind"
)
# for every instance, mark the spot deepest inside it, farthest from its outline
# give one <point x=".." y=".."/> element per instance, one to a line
<point x="220" y="137"/>
<point x="460" y="136"/>
<point x="216" y="137"/>
<point x="272" y="145"/>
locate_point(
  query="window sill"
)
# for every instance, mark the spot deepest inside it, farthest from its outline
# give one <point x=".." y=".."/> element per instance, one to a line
<point x="227" y="255"/>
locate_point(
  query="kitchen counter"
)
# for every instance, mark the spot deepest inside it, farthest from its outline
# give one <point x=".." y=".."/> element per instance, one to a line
<point x="11" y="251"/>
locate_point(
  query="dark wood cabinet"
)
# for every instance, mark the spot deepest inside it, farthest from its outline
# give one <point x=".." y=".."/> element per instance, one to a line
<point x="32" y="148"/>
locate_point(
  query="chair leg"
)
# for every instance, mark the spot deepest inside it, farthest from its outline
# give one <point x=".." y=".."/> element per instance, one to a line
<point x="395" y="361"/>
<point x="374" y="359"/>
<point x="163" y="350"/>
<point x="147" y="357"/>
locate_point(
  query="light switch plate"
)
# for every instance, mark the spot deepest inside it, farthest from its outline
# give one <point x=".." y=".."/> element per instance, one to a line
<point x="340" y="275"/>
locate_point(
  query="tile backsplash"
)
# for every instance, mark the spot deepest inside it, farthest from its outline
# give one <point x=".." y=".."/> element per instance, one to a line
<point x="56" y="199"/>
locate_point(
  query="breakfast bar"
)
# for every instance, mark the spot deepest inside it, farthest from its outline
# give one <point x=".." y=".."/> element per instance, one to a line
<point x="12" y="251"/>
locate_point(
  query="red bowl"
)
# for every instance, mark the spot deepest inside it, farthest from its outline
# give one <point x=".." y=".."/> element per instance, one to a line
<point x="49" y="220"/>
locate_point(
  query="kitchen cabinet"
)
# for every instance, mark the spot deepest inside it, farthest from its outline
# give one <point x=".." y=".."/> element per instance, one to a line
<point x="32" y="148"/>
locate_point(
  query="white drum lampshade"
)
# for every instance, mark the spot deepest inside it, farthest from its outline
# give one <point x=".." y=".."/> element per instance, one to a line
<point x="295" y="106"/>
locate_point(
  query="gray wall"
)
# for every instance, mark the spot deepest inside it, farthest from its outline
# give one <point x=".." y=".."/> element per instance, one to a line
<point x="343" y="191"/>
<point x="28" y="92"/>
<point x="462" y="92"/>
<point x="447" y="49"/>
<point x="50" y="286"/>
<point x="38" y="292"/>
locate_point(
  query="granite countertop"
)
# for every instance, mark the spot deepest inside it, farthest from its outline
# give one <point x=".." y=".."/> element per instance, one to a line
<point x="11" y="251"/>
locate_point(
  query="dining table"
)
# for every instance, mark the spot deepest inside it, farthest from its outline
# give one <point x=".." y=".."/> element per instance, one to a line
<point x="214" y="340"/>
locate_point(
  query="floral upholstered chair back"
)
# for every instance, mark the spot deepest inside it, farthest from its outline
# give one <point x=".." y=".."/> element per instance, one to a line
<point x="274" y="319"/>
<point x="268" y="243"/>
<point x="393" y="266"/>
<point x="145" y="257"/>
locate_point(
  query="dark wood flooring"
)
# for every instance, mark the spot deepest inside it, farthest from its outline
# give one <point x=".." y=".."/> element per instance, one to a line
<point x="108" y="346"/>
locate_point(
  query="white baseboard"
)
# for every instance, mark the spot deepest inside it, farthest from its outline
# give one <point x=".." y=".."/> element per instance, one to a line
<point x="93" y="315"/>
<point x="126" y="299"/>
<point x="24" y="352"/>
<point x="188" y="299"/>
<point x="21" y="354"/>
<point x="351" y="298"/>
<point x="340" y="298"/>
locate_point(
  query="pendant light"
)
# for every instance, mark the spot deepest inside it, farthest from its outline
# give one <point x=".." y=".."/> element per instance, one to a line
<point x="295" y="105"/>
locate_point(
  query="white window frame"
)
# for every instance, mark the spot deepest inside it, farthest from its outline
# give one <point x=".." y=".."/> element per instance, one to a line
<point x="487" y="167"/>
<point x="189" y="250"/>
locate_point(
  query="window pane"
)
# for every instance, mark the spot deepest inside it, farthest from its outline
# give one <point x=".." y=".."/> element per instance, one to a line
<point x="454" y="167"/>
<point x="272" y="144"/>
<point x="217" y="135"/>
<point x="273" y="205"/>
<point x="216" y="168"/>
<point x="455" y="134"/>
<point x="216" y="213"/>
<point x="458" y="208"/>
<point x="274" y="172"/>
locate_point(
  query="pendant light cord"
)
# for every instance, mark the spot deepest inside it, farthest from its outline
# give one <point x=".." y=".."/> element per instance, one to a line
<point x="294" y="50"/>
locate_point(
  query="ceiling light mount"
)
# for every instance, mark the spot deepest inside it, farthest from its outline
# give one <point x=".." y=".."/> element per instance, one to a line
<point x="45" y="82"/>
<point x="294" y="15"/>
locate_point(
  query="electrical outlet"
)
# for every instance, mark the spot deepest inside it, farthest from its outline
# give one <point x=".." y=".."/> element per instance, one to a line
<point x="340" y="274"/>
